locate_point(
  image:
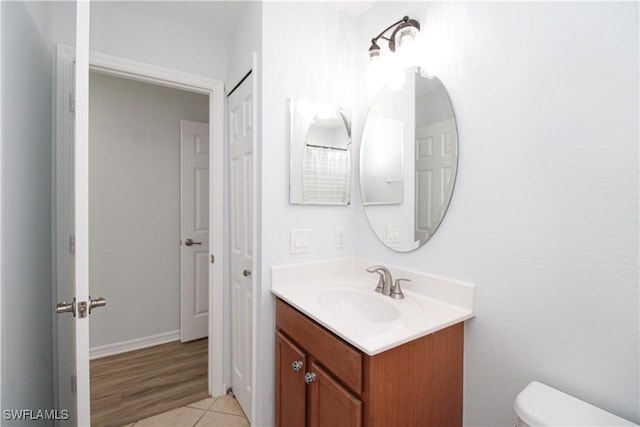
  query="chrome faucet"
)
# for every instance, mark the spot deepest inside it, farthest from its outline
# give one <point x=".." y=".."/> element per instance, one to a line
<point x="384" y="281"/>
<point x="386" y="285"/>
<point x="396" y="291"/>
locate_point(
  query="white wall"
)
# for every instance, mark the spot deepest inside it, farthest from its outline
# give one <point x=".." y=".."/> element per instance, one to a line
<point x="63" y="22"/>
<point x="300" y="58"/>
<point x="544" y="216"/>
<point x="245" y="39"/>
<point x="27" y="365"/>
<point x="134" y="207"/>
<point x="131" y="30"/>
<point x="306" y="65"/>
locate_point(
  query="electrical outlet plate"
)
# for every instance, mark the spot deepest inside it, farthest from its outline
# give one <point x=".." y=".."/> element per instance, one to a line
<point x="393" y="235"/>
<point x="340" y="237"/>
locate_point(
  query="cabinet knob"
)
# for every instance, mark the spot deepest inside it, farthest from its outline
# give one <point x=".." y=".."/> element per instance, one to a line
<point x="309" y="377"/>
<point x="297" y="365"/>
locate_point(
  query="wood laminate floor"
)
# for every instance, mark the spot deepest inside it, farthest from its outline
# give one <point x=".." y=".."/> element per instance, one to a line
<point x="132" y="386"/>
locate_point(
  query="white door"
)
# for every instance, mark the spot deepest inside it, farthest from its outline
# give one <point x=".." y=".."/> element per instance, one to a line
<point x="435" y="162"/>
<point x="73" y="283"/>
<point x="64" y="250"/>
<point x="241" y="225"/>
<point x="194" y="230"/>
<point x="81" y="197"/>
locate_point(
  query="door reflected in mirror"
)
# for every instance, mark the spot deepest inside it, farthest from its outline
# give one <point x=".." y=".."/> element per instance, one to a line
<point x="408" y="161"/>
<point x="320" y="168"/>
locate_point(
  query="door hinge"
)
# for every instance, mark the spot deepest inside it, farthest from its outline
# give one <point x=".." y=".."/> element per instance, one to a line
<point x="72" y="102"/>
<point x="74" y="384"/>
<point x="72" y="245"/>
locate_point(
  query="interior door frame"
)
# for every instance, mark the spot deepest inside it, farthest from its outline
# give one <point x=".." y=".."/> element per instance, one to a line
<point x="214" y="89"/>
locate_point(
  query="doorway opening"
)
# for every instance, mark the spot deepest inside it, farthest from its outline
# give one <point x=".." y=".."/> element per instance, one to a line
<point x="148" y="245"/>
<point x="66" y="364"/>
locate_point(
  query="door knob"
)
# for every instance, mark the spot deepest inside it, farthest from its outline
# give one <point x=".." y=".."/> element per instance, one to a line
<point x="66" y="307"/>
<point x="246" y="273"/>
<point x="70" y="307"/>
<point x="96" y="302"/>
<point x="190" y="242"/>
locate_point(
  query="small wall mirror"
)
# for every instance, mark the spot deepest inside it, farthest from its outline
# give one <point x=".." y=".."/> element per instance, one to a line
<point x="320" y="162"/>
<point x="408" y="161"/>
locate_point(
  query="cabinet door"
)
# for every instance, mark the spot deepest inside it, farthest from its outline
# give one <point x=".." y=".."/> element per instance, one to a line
<point x="290" y="385"/>
<point x="330" y="403"/>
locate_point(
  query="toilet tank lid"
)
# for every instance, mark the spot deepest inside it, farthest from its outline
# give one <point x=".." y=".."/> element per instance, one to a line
<point x="541" y="405"/>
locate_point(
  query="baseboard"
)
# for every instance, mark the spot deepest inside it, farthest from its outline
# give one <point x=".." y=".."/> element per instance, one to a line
<point x="130" y="345"/>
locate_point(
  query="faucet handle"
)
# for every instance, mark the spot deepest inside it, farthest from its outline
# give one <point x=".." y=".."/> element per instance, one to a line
<point x="396" y="291"/>
<point x="378" y="269"/>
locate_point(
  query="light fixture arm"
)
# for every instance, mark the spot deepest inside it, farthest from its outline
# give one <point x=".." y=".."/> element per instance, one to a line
<point x="403" y="28"/>
<point x="375" y="39"/>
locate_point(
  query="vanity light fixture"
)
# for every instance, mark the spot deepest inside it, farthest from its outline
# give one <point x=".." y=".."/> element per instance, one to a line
<point x="404" y="30"/>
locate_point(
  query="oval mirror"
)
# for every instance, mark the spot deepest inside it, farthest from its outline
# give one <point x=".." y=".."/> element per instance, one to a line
<point x="408" y="161"/>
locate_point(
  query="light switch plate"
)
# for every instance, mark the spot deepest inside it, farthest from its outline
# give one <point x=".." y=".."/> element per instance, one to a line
<point x="300" y="241"/>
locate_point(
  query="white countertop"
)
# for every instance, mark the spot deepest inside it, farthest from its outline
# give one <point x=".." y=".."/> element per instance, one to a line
<point x="339" y="294"/>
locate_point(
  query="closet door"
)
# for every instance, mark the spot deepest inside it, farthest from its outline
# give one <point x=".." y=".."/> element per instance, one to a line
<point x="241" y="125"/>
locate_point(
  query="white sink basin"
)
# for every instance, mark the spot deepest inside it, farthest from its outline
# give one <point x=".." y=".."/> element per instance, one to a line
<point x="366" y="306"/>
<point x="340" y="296"/>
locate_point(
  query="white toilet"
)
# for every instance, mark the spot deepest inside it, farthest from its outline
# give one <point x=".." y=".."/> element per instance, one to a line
<point x="541" y="405"/>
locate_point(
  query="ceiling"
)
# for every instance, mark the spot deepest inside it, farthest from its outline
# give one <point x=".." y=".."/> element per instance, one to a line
<point x="355" y="9"/>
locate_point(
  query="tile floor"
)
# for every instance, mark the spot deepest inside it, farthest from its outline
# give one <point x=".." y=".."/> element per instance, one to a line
<point x="223" y="411"/>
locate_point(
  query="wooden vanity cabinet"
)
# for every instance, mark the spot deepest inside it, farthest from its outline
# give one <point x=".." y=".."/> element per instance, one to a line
<point x="291" y="388"/>
<point x="415" y="384"/>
